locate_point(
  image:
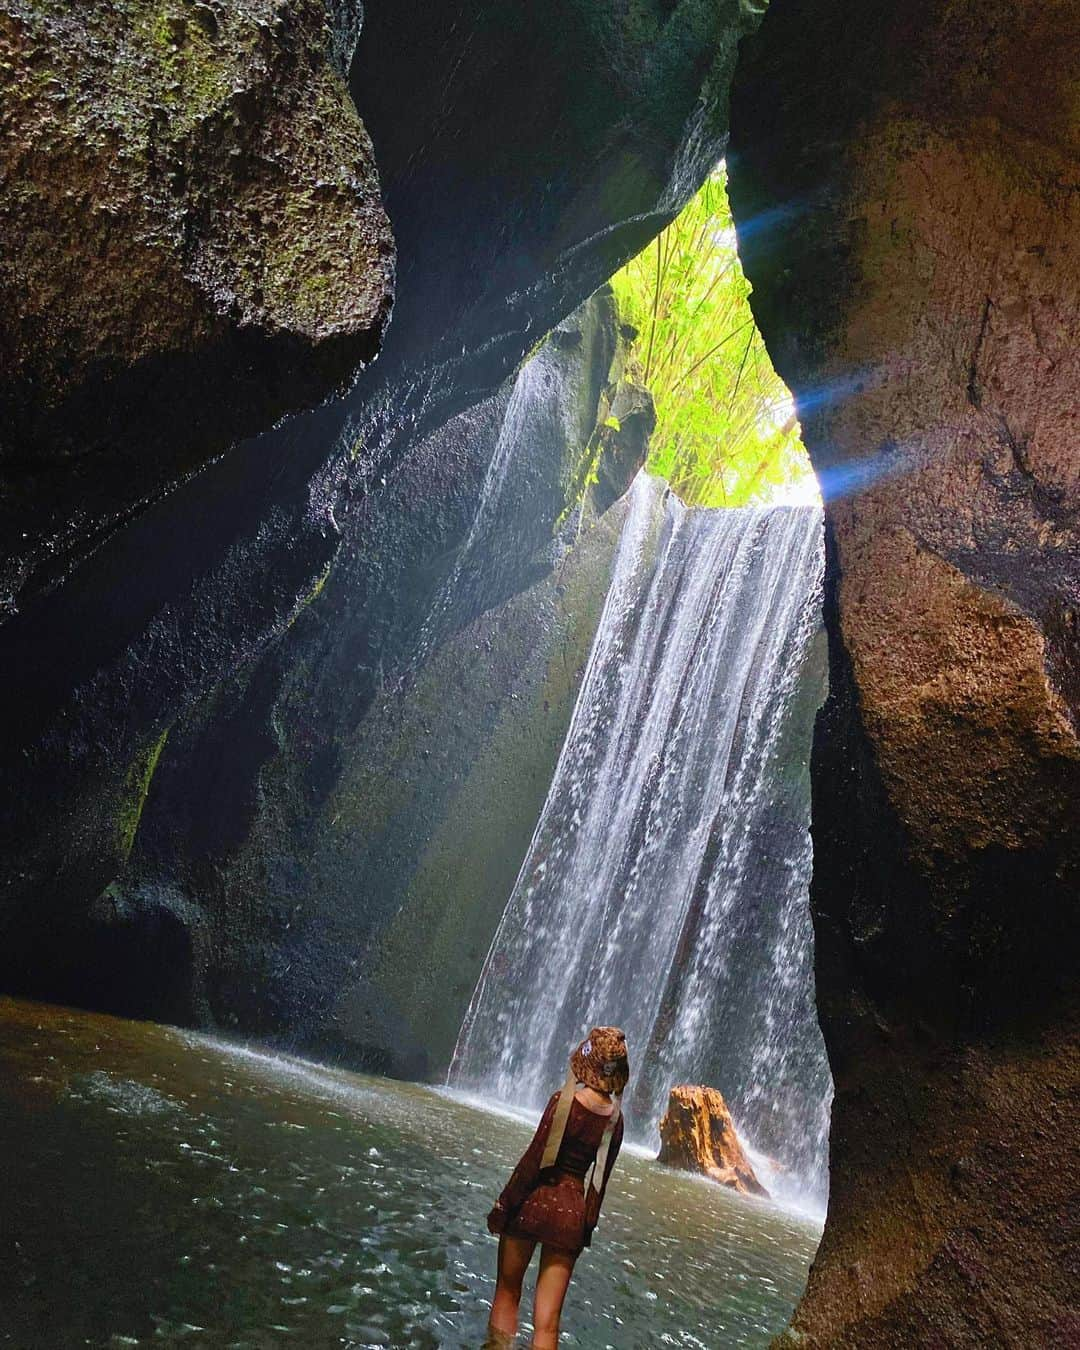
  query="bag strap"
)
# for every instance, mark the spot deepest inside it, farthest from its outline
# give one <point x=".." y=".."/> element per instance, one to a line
<point x="599" y="1166"/>
<point x="558" y="1124"/>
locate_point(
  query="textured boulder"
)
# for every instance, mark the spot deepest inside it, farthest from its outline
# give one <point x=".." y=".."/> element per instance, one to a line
<point x="905" y="195"/>
<point x="697" y="1134"/>
<point x="189" y="203"/>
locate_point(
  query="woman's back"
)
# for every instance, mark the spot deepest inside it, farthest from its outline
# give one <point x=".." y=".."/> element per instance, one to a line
<point x="559" y="1205"/>
<point x="556" y="1190"/>
<point x="584" y="1133"/>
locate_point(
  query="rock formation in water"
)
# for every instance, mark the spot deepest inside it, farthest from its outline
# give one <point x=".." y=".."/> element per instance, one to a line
<point x="906" y="197"/>
<point x="697" y="1134"/>
<point x="516" y="181"/>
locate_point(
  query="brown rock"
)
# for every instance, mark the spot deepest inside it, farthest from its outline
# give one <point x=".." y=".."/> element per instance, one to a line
<point x="697" y="1135"/>
<point x="919" y="289"/>
<point x="177" y="176"/>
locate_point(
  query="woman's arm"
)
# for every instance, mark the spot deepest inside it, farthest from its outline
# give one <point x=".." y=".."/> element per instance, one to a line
<point x="595" y="1199"/>
<point x="524" y="1175"/>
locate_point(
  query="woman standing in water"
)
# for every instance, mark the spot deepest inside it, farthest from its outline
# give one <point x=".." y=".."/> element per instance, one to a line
<point x="555" y="1193"/>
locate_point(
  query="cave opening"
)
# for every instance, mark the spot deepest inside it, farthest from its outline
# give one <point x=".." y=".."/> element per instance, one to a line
<point x="727" y="433"/>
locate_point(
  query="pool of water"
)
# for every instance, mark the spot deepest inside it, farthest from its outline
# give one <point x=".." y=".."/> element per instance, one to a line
<point x="163" y="1188"/>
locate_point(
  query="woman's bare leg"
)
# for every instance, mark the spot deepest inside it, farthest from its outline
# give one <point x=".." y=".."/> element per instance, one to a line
<point x="551" y="1285"/>
<point x="514" y="1257"/>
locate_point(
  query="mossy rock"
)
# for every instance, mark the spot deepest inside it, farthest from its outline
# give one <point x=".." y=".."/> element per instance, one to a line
<point x="194" y="241"/>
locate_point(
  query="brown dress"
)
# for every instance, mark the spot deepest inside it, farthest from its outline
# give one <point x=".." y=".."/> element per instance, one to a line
<point x="551" y="1206"/>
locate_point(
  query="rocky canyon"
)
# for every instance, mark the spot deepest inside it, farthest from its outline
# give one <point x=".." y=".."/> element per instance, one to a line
<point x="315" y="425"/>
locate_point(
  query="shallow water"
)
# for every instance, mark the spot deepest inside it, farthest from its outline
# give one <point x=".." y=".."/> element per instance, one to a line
<point x="161" y="1188"/>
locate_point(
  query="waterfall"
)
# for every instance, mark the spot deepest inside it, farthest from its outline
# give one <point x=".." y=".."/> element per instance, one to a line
<point x="459" y="593"/>
<point x="665" y="888"/>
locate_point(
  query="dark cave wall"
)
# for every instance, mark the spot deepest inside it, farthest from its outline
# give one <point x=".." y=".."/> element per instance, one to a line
<point x="190" y="203"/>
<point x="620" y="111"/>
<point x="150" y="600"/>
<point x="907" y="207"/>
<point x="321" y="849"/>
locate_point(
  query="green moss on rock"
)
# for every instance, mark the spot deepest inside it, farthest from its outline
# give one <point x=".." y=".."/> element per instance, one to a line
<point x="177" y="174"/>
<point x="136" y="787"/>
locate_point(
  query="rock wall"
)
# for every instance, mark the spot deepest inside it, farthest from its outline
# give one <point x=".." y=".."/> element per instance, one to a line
<point x="523" y="154"/>
<point x="455" y="771"/>
<point x="537" y="148"/>
<point x="320" y="852"/>
<point x="905" y="197"/>
<point x="190" y="203"/>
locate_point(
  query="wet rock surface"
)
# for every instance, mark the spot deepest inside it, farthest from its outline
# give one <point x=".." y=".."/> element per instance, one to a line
<point x="321" y="851"/>
<point x="908" y="224"/>
<point x="697" y="1134"/>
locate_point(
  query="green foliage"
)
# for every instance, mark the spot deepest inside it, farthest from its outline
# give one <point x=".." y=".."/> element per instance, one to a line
<point x="726" y="431"/>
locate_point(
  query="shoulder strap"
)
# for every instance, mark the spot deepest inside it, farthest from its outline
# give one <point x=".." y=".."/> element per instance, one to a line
<point x="558" y="1124"/>
<point x="599" y="1167"/>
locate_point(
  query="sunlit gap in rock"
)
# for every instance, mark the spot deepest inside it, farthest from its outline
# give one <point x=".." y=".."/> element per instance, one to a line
<point x="727" y="430"/>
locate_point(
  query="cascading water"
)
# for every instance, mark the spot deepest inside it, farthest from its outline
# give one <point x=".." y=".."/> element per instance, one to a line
<point x="458" y="592"/>
<point x="665" y="889"/>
